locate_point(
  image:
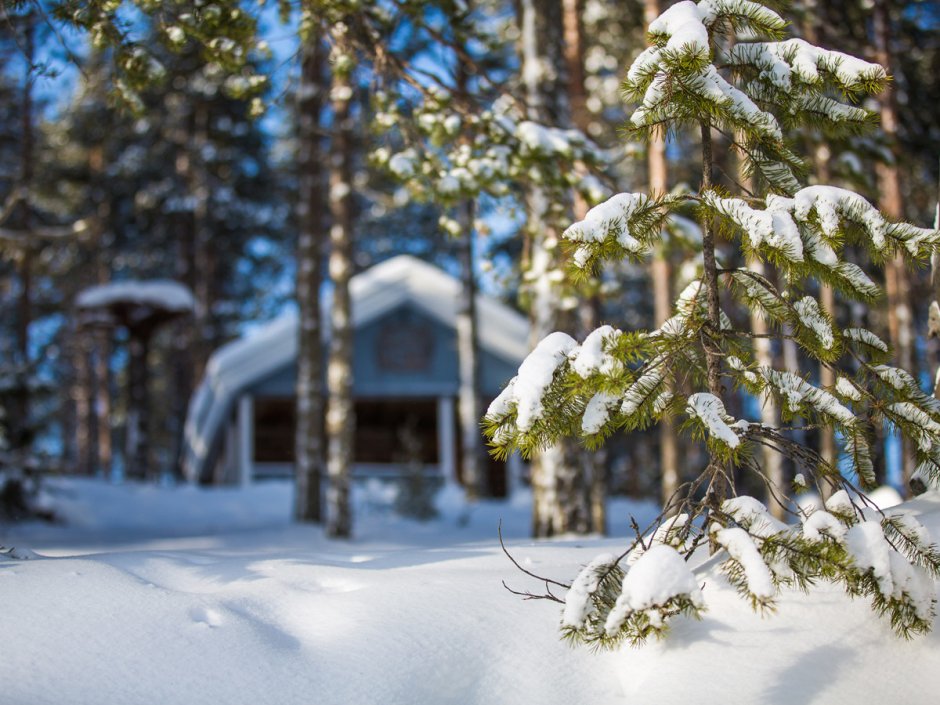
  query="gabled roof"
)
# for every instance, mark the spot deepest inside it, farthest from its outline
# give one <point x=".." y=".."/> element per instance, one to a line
<point x="386" y="286"/>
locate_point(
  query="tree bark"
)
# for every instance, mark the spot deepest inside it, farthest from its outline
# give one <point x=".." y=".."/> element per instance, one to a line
<point x="897" y="283"/>
<point x="20" y="407"/>
<point x="594" y="463"/>
<point x="769" y="413"/>
<point x="83" y="389"/>
<point x="559" y="504"/>
<point x="102" y="376"/>
<point x="340" y="416"/>
<point x="717" y="487"/>
<point x="468" y="361"/>
<point x="771" y="460"/>
<point x="204" y="256"/>
<point x="137" y="442"/>
<point x="308" y="441"/>
<point x="661" y="275"/>
<point x="472" y="460"/>
<point x="827" y="300"/>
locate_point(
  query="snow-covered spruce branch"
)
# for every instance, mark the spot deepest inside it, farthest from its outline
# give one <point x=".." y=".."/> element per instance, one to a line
<point x="626" y="225"/>
<point x="804" y="235"/>
<point x="613" y="380"/>
<point x="889" y="559"/>
<point x="689" y="77"/>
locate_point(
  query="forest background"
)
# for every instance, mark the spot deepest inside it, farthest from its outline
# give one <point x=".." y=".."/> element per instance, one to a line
<point x="234" y="147"/>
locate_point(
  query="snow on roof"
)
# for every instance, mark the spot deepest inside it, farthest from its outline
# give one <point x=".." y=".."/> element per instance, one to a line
<point x="376" y="291"/>
<point x="159" y="293"/>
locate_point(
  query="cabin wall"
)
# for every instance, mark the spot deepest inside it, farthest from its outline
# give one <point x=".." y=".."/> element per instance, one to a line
<point x="406" y="353"/>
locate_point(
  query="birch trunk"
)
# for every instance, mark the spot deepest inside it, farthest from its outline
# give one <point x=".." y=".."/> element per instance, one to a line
<point x="308" y="442"/>
<point x="890" y="201"/>
<point x="340" y="413"/>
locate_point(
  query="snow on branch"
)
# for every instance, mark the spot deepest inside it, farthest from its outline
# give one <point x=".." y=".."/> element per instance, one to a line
<point x="525" y="392"/>
<point x="800" y="395"/>
<point x="592" y="356"/>
<point x="887" y="556"/>
<point x="833" y="207"/>
<point x="675" y="77"/>
<point x="865" y="337"/>
<point x="624" y="225"/>
<point x="746" y="569"/>
<point x="796" y="61"/>
<point x="578" y="605"/>
<point x="812" y="318"/>
<point x="773" y="227"/>
<point x="896" y="581"/>
<point x="681" y="28"/>
<point x="710" y="411"/>
<point x="919" y="426"/>
<point x="753" y="515"/>
<point x="655" y="587"/>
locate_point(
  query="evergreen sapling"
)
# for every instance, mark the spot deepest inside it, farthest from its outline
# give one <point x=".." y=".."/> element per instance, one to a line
<point x="751" y="92"/>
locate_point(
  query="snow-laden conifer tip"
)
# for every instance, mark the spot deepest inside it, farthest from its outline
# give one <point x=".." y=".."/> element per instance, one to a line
<point x="658" y="577"/>
<point x="528" y="387"/>
<point x="578" y="605"/>
<point x="710" y="410"/>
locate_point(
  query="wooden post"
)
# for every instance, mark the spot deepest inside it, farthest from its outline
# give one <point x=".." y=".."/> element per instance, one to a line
<point x="446" y="441"/>
<point x="246" y="439"/>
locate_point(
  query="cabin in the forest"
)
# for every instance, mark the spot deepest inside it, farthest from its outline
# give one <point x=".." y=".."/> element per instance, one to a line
<point x="240" y="423"/>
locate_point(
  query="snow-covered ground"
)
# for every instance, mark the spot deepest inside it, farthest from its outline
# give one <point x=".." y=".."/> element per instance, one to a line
<point x="181" y="595"/>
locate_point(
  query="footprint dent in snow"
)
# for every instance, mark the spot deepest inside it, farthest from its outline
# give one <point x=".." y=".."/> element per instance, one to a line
<point x="207" y="616"/>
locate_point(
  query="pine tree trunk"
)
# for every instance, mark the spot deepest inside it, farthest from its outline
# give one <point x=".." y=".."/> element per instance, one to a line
<point x="468" y="361"/>
<point x="308" y="442"/>
<point x="718" y="480"/>
<point x="82" y="391"/>
<point x="594" y="463"/>
<point x="184" y="330"/>
<point x="21" y="407"/>
<point x="340" y="413"/>
<point x="137" y="443"/>
<point x="827" y="297"/>
<point x="662" y="297"/>
<point x="897" y="283"/>
<point x="827" y="302"/>
<point x="771" y="460"/>
<point x="204" y="256"/>
<point x="559" y="502"/>
<point x="933" y="326"/>
<point x="102" y="381"/>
